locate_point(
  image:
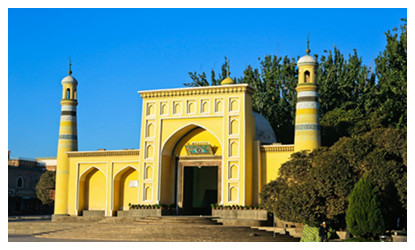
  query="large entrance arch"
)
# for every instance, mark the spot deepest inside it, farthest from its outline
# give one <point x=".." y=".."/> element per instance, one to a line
<point x="192" y="170"/>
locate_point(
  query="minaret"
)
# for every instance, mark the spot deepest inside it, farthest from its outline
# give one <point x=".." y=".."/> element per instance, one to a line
<point x="307" y="127"/>
<point x="68" y="141"/>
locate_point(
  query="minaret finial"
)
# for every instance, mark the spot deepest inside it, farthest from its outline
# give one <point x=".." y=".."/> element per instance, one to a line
<point x="308" y="47"/>
<point x="227" y="67"/>
<point x="70" y="71"/>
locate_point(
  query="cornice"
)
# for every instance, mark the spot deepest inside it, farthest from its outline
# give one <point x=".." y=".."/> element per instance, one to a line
<point x="225" y="89"/>
<point x="104" y="153"/>
<point x="277" y="148"/>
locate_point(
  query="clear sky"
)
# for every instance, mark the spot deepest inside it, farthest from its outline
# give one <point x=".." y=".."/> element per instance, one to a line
<point x="117" y="52"/>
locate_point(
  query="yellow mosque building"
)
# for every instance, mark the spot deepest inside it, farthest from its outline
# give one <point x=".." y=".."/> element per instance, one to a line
<point x="198" y="146"/>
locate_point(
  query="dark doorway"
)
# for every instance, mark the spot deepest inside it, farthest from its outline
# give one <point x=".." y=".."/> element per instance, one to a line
<point x="200" y="190"/>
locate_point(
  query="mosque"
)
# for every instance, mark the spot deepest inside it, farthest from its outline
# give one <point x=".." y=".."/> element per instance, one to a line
<point x="198" y="146"/>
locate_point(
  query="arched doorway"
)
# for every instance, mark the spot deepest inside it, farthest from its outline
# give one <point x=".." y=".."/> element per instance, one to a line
<point x="125" y="188"/>
<point x="92" y="190"/>
<point x="192" y="158"/>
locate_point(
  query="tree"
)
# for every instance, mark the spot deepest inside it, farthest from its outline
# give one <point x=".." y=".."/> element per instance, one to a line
<point x="353" y="98"/>
<point x="274" y="96"/>
<point x="199" y="80"/>
<point x="391" y="72"/>
<point x="364" y="216"/>
<point x="44" y="186"/>
<point x="315" y="186"/>
<point x="343" y="89"/>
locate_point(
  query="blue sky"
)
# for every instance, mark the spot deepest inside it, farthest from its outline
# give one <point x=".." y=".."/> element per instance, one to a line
<point x="117" y="52"/>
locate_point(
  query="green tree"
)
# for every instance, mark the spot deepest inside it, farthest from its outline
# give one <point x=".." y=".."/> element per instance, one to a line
<point x="390" y="96"/>
<point x="199" y="80"/>
<point x="274" y="96"/>
<point x="343" y="89"/>
<point x="315" y="186"/>
<point x="364" y="216"/>
<point x="44" y="186"/>
<point x="353" y="98"/>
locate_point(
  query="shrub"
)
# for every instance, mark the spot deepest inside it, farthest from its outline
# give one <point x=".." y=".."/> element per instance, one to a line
<point x="44" y="186"/>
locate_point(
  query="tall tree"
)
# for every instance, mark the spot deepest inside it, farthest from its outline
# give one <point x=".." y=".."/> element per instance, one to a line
<point x="353" y="97"/>
<point x="274" y="95"/>
<point x="343" y="89"/>
<point x="199" y="80"/>
<point x="364" y="217"/>
<point x="391" y="73"/>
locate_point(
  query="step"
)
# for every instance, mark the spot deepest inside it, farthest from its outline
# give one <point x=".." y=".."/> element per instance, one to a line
<point x="241" y="222"/>
<point x="93" y="213"/>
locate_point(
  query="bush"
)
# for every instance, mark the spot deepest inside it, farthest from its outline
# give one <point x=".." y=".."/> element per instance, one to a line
<point x="364" y="217"/>
<point x="44" y="187"/>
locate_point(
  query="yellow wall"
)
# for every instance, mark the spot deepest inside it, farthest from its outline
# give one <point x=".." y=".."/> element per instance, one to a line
<point x="221" y="116"/>
<point x="198" y="135"/>
<point x="272" y="157"/>
<point x="124" y="190"/>
<point x="108" y="174"/>
<point x="174" y="112"/>
<point x="94" y="197"/>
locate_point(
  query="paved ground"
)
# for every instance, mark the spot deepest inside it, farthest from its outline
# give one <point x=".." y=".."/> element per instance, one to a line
<point x="32" y="238"/>
<point x="162" y="229"/>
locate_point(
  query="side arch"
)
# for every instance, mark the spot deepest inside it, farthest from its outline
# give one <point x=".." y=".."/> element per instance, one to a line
<point x="125" y="188"/>
<point x="92" y="182"/>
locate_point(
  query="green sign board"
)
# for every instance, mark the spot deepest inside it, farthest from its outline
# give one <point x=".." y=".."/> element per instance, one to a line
<point x="204" y="149"/>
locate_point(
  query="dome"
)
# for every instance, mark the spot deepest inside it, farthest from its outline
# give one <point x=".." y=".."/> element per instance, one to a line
<point x="227" y="80"/>
<point x="307" y="60"/>
<point x="69" y="79"/>
<point x="263" y="130"/>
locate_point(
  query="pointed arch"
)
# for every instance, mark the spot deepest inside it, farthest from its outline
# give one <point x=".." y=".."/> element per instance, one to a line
<point x="20" y="182"/>
<point x="191" y="107"/>
<point x="168" y="145"/>
<point x="234" y="127"/>
<point x="233" y="172"/>
<point x="233" y="149"/>
<point x="125" y="188"/>
<point x="205" y="107"/>
<point x="233" y="194"/>
<point x="219" y="106"/>
<point x="151" y="109"/>
<point x="166" y="170"/>
<point x="148" y="172"/>
<point x="148" y="193"/>
<point x="149" y="151"/>
<point x="90" y="191"/>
